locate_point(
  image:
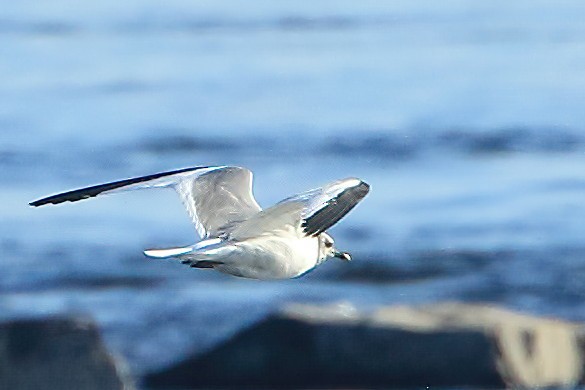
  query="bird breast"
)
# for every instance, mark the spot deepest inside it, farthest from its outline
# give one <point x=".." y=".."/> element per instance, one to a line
<point x="273" y="257"/>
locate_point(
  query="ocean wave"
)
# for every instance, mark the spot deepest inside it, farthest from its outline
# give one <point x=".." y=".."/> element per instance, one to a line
<point x="191" y="25"/>
<point x="42" y="28"/>
<point x="387" y="144"/>
<point x="378" y="145"/>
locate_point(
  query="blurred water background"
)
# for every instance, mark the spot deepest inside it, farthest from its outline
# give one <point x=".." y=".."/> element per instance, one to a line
<point x="467" y="118"/>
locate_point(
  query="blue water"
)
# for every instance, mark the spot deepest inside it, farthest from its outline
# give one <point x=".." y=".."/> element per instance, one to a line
<point x="466" y="119"/>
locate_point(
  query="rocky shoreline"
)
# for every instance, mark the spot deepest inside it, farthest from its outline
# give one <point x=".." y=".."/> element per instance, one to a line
<point x="58" y="353"/>
<point x="319" y="346"/>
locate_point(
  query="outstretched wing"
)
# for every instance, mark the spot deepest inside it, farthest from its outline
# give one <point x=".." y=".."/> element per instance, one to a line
<point x="217" y="198"/>
<point x="324" y="207"/>
<point x="309" y="213"/>
<point x="214" y="196"/>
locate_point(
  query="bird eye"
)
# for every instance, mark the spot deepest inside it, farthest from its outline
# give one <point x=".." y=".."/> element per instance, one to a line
<point x="328" y="244"/>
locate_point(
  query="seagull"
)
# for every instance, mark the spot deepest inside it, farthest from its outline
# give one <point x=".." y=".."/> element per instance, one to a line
<point x="238" y="237"/>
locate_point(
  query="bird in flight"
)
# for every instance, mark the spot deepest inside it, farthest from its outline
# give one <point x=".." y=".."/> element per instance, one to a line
<point x="238" y="237"/>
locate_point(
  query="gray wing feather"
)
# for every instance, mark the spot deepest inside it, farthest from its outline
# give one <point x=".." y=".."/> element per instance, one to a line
<point x="284" y="218"/>
<point x="218" y="198"/>
<point x="325" y="206"/>
<point x="214" y="196"/>
<point x="307" y="214"/>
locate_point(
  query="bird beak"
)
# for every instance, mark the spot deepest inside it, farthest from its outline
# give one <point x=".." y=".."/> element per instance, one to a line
<point x="342" y="255"/>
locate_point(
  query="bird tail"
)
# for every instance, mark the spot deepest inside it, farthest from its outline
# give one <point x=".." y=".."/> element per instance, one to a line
<point x="168" y="252"/>
<point x="204" y="248"/>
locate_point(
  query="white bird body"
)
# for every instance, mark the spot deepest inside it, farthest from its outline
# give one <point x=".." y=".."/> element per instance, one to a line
<point x="284" y="241"/>
<point x="269" y="257"/>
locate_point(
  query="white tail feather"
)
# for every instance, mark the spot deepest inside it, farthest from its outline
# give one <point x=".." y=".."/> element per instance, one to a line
<point x="169" y="252"/>
<point x="210" y="244"/>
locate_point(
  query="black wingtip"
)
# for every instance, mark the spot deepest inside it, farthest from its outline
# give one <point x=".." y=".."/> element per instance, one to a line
<point x="90" y="192"/>
<point x="54" y="199"/>
<point x="42" y="202"/>
<point x="38" y="203"/>
<point x="363" y="188"/>
<point x="335" y="209"/>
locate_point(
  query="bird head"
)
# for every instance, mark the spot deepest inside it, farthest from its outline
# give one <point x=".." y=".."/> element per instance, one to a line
<point x="327" y="248"/>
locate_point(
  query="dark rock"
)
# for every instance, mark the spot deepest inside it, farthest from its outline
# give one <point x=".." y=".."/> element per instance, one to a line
<point x="448" y="345"/>
<point x="56" y="354"/>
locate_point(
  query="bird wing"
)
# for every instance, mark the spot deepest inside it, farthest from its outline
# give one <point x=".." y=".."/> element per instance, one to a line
<point x="280" y="219"/>
<point x="323" y="207"/>
<point x="213" y="196"/>
<point x="309" y="213"/>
